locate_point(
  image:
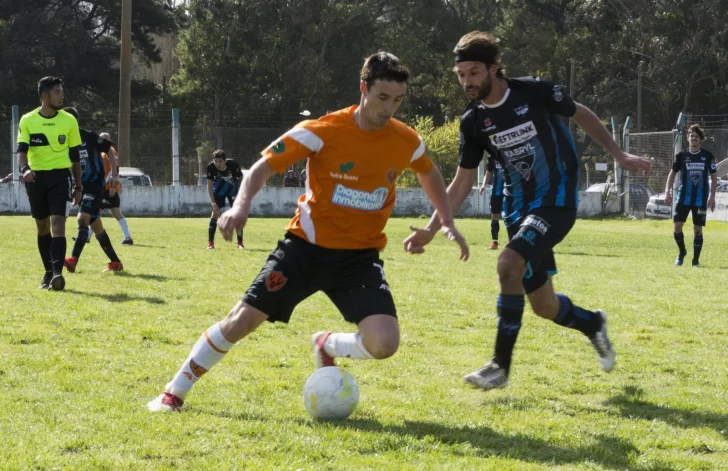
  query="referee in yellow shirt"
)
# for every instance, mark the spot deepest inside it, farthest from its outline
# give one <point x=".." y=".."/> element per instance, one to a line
<point x="48" y="147"/>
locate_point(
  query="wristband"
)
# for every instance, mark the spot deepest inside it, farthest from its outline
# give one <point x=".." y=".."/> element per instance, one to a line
<point x="24" y="169"/>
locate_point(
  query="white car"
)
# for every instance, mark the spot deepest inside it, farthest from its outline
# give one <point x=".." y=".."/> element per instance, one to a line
<point x="131" y="176"/>
<point x="656" y="207"/>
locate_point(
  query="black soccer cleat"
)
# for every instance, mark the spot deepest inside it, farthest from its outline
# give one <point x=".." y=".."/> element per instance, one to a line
<point x="57" y="283"/>
<point x="128" y="241"/>
<point x="46" y="281"/>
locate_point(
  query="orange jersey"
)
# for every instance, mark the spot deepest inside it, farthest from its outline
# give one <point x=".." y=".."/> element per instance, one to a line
<point x="350" y="189"/>
<point x="107" y="173"/>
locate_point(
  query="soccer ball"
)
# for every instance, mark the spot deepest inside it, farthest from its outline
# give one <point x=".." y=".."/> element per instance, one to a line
<point x="330" y="393"/>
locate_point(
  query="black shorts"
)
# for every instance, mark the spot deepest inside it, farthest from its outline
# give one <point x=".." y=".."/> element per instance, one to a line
<point x="93" y="193"/>
<point x="534" y="238"/>
<point x="700" y="214"/>
<point x="220" y="201"/>
<point x="353" y="279"/>
<point x="110" y="202"/>
<point x="496" y="204"/>
<point x="51" y="194"/>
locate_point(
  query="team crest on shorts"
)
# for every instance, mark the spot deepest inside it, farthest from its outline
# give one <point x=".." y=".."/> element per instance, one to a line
<point x="275" y="281"/>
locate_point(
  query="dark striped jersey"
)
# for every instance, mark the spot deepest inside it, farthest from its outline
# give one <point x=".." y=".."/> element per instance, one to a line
<point x="92" y="162"/>
<point x="694" y="168"/>
<point x="225" y="182"/>
<point x="523" y="132"/>
<point x="497" y="179"/>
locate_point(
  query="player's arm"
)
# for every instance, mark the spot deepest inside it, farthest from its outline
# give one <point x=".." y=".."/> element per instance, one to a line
<point x="74" y="153"/>
<point x="676" y="166"/>
<point x="590" y="123"/>
<point x="434" y="187"/>
<point x="114" y="168"/>
<point x="258" y="175"/>
<point x="26" y="174"/>
<point x="713" y="184"/>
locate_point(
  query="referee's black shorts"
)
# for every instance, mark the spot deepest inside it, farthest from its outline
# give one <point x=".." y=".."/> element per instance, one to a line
<point x="51" y="193"/>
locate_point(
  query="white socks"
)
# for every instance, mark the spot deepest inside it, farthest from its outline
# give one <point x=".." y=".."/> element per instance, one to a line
<point x="347" y="345"/>
<point x="124" y="228"/>
<point x="207" y="352"/>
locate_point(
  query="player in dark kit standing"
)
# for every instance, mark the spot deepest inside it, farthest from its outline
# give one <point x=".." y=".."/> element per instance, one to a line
<point x="92" y="164"/>
<point x="494" y="176"/>
<point x="224" y="178"/>
<point x="692" y="195"/>
<point x="516" y="121"/>
<point x="48" y="147"/>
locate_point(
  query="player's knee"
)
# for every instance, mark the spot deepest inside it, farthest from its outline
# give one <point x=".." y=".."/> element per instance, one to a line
<point x="241" y="321"/>
<point x="383" y="346"/>
<point x="510" y="268"/>
<point x="698" y="230"/>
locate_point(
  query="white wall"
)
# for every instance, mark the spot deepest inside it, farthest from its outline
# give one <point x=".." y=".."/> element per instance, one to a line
<point x="275" y="201"/>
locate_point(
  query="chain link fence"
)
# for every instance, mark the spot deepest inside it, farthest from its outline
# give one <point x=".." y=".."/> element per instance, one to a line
<point x="6" y="148"/>
<point x="661" y="146"/>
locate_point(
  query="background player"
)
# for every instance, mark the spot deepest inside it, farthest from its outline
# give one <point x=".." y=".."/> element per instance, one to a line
<point x="224" y="178"/>
<point x="48" y="146"/>
<point x="334" y="239"/>
<point x="692" y="195"/>
<point x="92" y="145"/>
<point x="494" y="176"/>
<point x="526" y="135"/>
<point x="112" y="193"/>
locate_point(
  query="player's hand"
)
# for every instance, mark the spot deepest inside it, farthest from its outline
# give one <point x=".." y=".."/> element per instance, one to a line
<point x="634" y="163"/>
<point x="711" y="204"/>
<point x="230" y="221"/>
<point x="28" y="176"/>
<point x="453" y="234"/>
<point x="415" y="242"/>
<point x="482" y="189"/>
<point x="76" y="197"/>
<point x="668" y="199"/>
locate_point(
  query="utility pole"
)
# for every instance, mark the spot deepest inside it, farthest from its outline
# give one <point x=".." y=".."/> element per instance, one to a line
<point x="572" y="91"/>
<point x="125" y="85"/>
<point x="639" y="97"/>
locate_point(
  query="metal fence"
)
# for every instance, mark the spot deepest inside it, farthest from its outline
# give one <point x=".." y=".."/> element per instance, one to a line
<point x="661" y="146"/>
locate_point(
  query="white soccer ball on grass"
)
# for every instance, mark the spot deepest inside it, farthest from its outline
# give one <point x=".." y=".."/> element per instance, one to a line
<point x="330" y="393"/>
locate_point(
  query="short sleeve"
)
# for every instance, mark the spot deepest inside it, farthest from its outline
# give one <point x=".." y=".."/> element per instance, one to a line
<point x="471" y="151"/>
<point x="23" y="134"/>
<point x="74" y="135"/>
<point x="420" y="162"/>
<point x="712" y="168"/>
<point x="236" y="171"/>
<point x="554" y="98"/>
<point x="301" y="142"/>
<point x="677" y="162"/>
<point x="103" y="145"/>
<point x="210" y="172"/>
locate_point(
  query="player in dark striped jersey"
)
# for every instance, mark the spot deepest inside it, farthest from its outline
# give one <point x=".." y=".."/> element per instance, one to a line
<point x="518" y="122"/>
<point x="494" y="176"/>
<point x="224" y="178"/>
<point x="694" y="166"/>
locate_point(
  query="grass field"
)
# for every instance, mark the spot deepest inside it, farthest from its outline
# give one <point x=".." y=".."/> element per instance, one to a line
<point x="77" y="367"/>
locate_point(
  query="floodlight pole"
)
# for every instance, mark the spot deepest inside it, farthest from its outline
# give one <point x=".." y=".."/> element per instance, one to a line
<point x="123" y="138"/>
<point x="624" y="198"/>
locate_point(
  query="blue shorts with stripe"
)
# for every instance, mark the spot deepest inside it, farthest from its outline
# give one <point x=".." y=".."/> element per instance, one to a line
<point x="534" y="237"/>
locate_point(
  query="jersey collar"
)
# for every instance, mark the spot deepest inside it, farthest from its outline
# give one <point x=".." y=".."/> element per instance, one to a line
<point x="502" y="100"/>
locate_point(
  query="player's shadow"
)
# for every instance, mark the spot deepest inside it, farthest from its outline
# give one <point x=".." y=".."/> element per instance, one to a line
<point x="585" y="254"/>
<point x="632" y="404"/>
<point x="610" y="452"/>
<point x="151" y="246"/>
<point x="119" y="297"/>
<point x="145" y="276"/>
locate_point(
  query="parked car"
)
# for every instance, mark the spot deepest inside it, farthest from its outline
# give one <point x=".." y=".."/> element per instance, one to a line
<point x="656" y="207"/>
<point x="132" y="176"/>
<point x="722" y="186"/>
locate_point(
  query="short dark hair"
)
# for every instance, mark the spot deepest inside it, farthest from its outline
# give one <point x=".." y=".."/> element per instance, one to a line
<point x="697" y="130"/>
<point x="46" y="84"/>
<point x="219" y="154"/>
<point x="383" y="66"/>
<point x="72" y="111"/>
<point x="482" y="47"/>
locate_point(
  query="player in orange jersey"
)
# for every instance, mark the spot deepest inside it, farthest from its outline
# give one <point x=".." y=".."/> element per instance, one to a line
<point x="333" y="242"/>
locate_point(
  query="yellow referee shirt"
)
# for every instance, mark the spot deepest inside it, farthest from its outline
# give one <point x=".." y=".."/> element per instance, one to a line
<point x="48" y="140"/>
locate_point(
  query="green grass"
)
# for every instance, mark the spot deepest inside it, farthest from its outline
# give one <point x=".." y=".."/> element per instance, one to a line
<point x="77" y="367"/>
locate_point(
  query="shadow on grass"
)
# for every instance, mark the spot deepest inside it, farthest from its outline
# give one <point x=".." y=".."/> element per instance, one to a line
<point x="145" y="276"/>
<point x="119" y="297"/>
<point x="151" y="246"/>
<point x="607" y="255"/>
<point x="610" y="452"/>
<point x="632" y="404"/>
